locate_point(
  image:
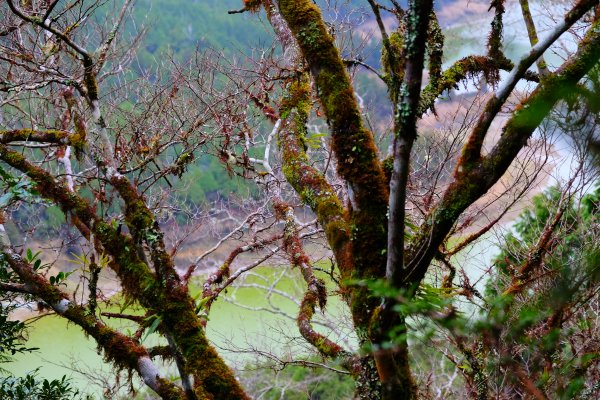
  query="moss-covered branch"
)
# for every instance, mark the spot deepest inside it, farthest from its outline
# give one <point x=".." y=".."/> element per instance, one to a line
<point x="119" y="349"/>
<point x="354" y="147"/>
<point x="54" y="136"/>
<point x="163" y="297"/>
<point x="472" y="150"/>
<point x="532" y="33"/>
<point x="308" y="182"/>
<point x="475" y="181"/>
<point x="494" y="44"/>
<point x="144" y="227"/>
<point x="462" y="69"/>
<point x="316" y="293"/>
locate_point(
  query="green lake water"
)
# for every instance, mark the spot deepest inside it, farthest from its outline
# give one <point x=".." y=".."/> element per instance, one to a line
<point x="230" y="326"/>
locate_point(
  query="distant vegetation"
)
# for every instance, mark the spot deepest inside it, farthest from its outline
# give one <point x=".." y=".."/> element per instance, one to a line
<point x="179" y="27"/>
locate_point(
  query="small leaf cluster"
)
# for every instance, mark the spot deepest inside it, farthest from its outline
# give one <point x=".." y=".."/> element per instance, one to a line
<point x="30" y="387"/>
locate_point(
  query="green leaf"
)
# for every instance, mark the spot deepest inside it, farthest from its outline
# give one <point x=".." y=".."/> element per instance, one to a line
<point x="152" y="328"/>
<point x="5" y="199"/>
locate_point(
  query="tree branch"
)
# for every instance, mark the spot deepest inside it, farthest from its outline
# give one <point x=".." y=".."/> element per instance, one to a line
<point x="472" y="149"/>
<point x="533" y="37"/>
<point x="54" y="136"/>
<point x="165" y="298"/>
<point x="316" y="293"/>
<point x="405" y="130"/>
<point x="121" y="350"/>
<point x="307" y="181"/>
<point x="473" y="184"/>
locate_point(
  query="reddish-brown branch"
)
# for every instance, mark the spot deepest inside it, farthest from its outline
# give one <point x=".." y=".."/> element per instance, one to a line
<point x="209" y="292"/>
<point x="316" y="293"/>
<point x="15" y="288"/>
<point x="528" y="384"/>
<point x="536" y="255"/>
<point x="476" y="235"/>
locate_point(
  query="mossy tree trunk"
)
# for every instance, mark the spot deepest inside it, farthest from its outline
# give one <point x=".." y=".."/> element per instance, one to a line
<point x="376" y="237"/>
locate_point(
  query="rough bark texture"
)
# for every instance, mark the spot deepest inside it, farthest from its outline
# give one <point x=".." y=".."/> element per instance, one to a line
<point x="160" y="291"/>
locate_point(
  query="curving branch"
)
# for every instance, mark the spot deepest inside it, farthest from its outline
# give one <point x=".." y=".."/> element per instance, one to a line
<point x="224" y="271"/>
<point x="316" y="293"/>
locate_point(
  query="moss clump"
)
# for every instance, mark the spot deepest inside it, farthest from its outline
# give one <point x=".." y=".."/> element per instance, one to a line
<point x="89" y="79"/>
<point x="169" y="391"/>
<point x="50" y="135"/>
<point x="393" y="61"/>
<point x="252" y="5"/>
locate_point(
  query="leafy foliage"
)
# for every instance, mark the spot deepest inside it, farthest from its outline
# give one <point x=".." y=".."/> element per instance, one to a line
<point x="548" y="327"/>
<point x="30" y="387"/>
<point x="578" y="222"/>
<point x="11" y="336"/>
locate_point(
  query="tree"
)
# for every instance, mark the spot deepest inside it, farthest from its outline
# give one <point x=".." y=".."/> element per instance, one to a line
<point x="132" y="136"/>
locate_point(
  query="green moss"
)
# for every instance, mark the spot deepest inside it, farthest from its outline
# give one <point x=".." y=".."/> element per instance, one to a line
<point x="168" y="391"/>
<point x="89" y="79"/>
<point x="165" y="298"/>
<point x="353" y="145"/>
<point x="50" y="135"/>
<point x="435" y="50"/>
